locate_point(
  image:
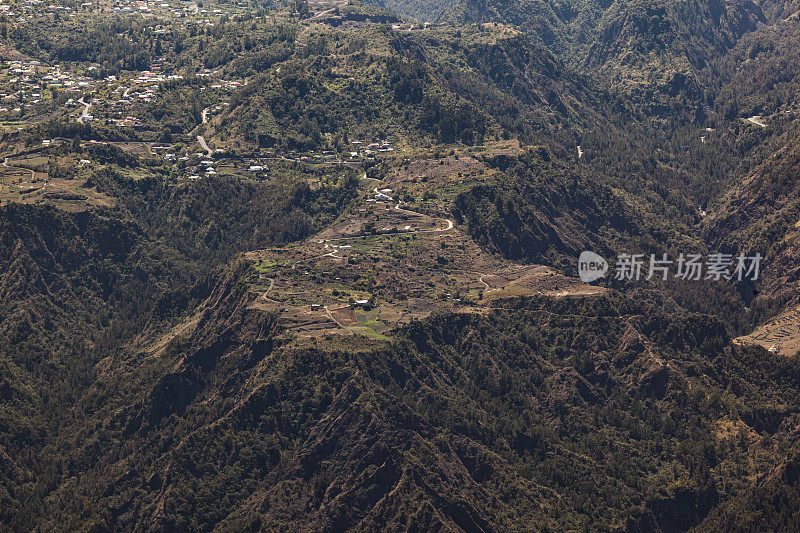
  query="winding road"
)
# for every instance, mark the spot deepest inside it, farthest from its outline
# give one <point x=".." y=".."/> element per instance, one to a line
<point x="6" y="165"/>
<point x="450" y="223"/>
<point x="269" y="289"/>
<point x="86" y="107"/>
<point x="201" y="140"/>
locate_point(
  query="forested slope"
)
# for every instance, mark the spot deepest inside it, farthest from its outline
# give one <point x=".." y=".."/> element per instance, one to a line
<point x="150" y="376"/>
<point x="462" y="422"/>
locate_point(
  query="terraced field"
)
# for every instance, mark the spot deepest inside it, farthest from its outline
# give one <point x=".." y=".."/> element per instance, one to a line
<point x="780" y="335"/>
<point x="384" y="264"/>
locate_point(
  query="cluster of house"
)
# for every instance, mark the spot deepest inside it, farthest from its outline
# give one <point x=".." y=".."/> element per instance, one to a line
<point x="197" y="165"/>
<point x="168" y="9"/>
<point x="167" y="152"/>
<point x="128" y="122"/>
<point x="24" y="10"/>
<point x="25" y="82"/>
<point x="229" y="85"/>
<point x="209" y="167"/>
<point x="118" y="106"/>
<point x="360" y="149"/>
<point x="143" y="88"/>
<point x="356" y="151"/>
<point x="30" y="7"/>
<point x="163" y="8"/>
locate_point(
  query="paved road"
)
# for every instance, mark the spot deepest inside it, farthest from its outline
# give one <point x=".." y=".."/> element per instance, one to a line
<point x="202" y="142"/>
<point x="450" y="223"/>
<point x="449" y="227"/>
<point x="86" y="107"/>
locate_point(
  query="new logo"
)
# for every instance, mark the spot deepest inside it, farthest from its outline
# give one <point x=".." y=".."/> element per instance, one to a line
<point x="591" y="267"/>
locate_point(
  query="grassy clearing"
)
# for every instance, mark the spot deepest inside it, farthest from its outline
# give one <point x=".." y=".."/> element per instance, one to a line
<point x="369" y="318"/>
<point x="265" y="266"/>
<point x="368" y="332"/>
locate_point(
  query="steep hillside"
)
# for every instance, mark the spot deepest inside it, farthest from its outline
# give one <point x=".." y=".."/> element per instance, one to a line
<point x="474" y="86"/>
<point x="761" y="215"/>
<point x="650" y="51"/>
<point x="654" y="51"/>
<point x="312" y="267"/>
<point x="760" y="76"/>
<point x="449" y="85"/>
<point x="769" y="505"/>
<point x="431" y="11"/>
<point x="76" y="286"/>
<point x="776" y="10"/>
<point x="421" y="432"/>
<point x="72" y="286"/>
